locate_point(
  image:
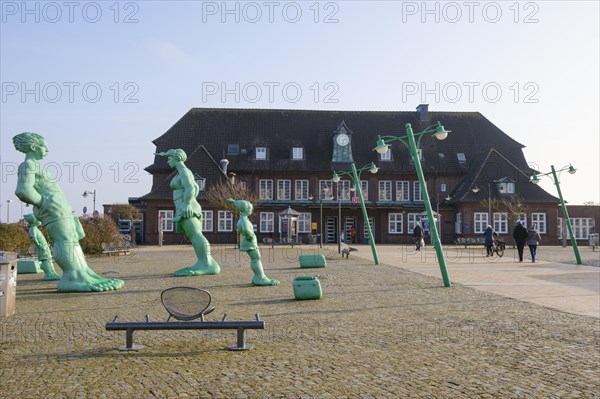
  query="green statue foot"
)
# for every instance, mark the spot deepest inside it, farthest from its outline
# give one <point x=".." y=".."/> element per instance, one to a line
<point x="86" y="282"/>
<point x="264" y="280"/>
<point x="199" y="269"/>
<point x="51" y="276"/>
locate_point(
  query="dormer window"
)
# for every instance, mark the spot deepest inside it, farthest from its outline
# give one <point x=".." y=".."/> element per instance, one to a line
<point x="297" y="153"/>
<point x="461" y="157"/>
<point x="261" y="152"/>
<point x="506" y="188"/>
<point x="233" y="149"/>
<point x="200" y="181"/>
<point x="386" y="156"/>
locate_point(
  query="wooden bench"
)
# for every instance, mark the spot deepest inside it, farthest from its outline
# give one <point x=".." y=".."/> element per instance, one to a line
<point x="115" y="248"/>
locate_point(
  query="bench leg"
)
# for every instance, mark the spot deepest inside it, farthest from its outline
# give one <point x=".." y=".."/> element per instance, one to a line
<point x="129" y="345"/>
<point x="241" y="345"/>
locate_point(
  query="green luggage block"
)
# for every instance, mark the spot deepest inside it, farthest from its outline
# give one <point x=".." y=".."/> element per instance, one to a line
<point x="307" y="287"/>
<point x="317" y="260"/>
<point x="28" y="265"/>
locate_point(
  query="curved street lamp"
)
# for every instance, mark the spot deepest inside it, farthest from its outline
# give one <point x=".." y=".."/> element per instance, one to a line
<point x="440" y="133"/>
<point x="535" y="179"/>
<point x="355" y="173"/>
<point x="86" y="193"/>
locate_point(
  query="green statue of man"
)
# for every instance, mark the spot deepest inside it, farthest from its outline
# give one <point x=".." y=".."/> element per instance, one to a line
<point x="42" y="248"/>
<point x="249" y="244"/>
<point x="51" y="208"/>
<point x="188" y="215"/>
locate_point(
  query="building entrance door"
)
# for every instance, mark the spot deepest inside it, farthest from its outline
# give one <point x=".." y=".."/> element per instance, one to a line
<point x="330" y="230"/>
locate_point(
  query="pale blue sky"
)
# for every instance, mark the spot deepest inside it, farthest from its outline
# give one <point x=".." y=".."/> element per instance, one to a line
<point x="370" y="56"/>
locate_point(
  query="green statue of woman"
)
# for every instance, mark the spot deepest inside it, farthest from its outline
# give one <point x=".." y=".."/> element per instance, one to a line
<point x="51" y="208"/>
<point x="248" y="242"/>
<point x="42" y="248"/>
<point x="188" y="215"/>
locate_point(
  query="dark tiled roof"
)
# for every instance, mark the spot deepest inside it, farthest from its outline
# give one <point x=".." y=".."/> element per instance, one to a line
<point x="496" y="168"/>
<point x="280" y="130"/>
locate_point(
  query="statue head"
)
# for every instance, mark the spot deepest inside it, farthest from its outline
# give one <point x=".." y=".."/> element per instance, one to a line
<point x="176" y="154"/>
<point x="28" y="141"/>
<point x="244" y="207"/>
<point x="32" y="220"/>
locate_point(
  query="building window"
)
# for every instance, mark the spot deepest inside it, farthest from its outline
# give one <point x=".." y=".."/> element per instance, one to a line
<point x="559" y="227"/>
<point x="265" y="190"/>
<point x="304" y="223"/>
<point x="540" y="220"/>
<point x="297" y="153"/>
<point x="325" y="189"/>
<point x="243" y="185"/>
<point x="385" y="190"/>
<point x="364" y="187"/>
<point x="284" y="190"/>
<point x="461" y="157"/>
<point x="233" y="149"/>
<point x="402" y="191"/>
<point x="167" y="220"/>
<point x="412" y="218"/>
<point x="443" y="187"/>
<point x="267" y="222"/>
<point x="207" y="220"/>
<point x="417" y="194"/>
<point x="301" y="190"/>
<point x="583" y="227"/>
<point x="501" y="222"/>
<point x="261" y="152"/>
<point x="395" y="223"/>
<point x="201" y="182"/>
<point x="506" y="188"/>
<point x="419" y="153"/>
<point x="225" y="221"/>
<point x="386" y="156"/>
<point x="480" y="222"/>
<point x="344" y="190"/>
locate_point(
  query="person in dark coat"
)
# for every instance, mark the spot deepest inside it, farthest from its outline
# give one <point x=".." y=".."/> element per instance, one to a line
<point x="490" y="235"/>
<point x="520" y="236"/>
<point x="418" y="235"/>
<point x="533" y="240"/>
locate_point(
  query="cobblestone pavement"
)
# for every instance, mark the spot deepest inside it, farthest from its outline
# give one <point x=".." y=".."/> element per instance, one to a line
<point x="379" y="332"/>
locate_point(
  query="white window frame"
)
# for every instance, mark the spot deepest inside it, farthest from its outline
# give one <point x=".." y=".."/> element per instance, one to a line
<point x="385" y="190"/>
<point x="167" y="219"/>
<point x="225" y="221"/>
<point x="325" y="184"/>
<point x="386" y="156"/>
<point x="417" y="192"/>
<point x="395" y="223"/>
<point x="501" y="222"/>
<point x="560" y="222"/>
<point x="207" y="221"/>
<point x="539" y="218"/>
<point x="304" y="223"/>
<point x="284" y="189"/>
<point x="443" y="187"/>
<point x="480" y="222"/>
<point x="297" y="153"/>
<point x="344" y="190"/>
<point x="403" y="188"/>
<point x="265" y="191"/>
<point x="364" y="186"/>
<point x="582" y="227"/>
<point x="412" y="219"/>
<point x="267" y="222"/>
<point x="260" y="153"/>
<point x="301" y="190"/>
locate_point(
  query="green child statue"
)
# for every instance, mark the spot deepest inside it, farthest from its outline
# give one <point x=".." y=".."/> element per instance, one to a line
<point x="42" y="248"/>
<point x="248" y="242"/>
<point x="51" y="208"/>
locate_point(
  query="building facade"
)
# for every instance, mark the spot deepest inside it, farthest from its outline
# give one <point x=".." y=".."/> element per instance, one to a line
<point x="477" y="176"/>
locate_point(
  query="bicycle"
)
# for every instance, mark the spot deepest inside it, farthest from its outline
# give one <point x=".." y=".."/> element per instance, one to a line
<point x="499" y="247"/>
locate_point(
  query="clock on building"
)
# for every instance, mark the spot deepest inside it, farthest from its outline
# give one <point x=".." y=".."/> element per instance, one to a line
<point x="342" y="139"/>
<point x="342" y="144"/>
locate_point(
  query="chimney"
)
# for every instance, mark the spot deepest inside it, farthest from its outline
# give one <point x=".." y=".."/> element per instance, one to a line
<point x="224" y="163"/>
<point x="423" y="112"/>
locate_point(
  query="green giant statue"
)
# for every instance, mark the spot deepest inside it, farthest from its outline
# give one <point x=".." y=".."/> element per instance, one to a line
<point x="42" y="248"/>
<point x="248" y="242"/>
<point x="188" y="215"/>
<point x="50" y="207"/>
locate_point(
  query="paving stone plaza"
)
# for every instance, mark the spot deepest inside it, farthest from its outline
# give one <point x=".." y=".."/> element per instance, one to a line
<point x="387" y="331"/>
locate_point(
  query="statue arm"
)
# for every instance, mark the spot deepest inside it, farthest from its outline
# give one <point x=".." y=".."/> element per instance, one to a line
<point x="25" y="190"/>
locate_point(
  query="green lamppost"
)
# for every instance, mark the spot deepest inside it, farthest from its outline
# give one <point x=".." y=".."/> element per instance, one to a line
<point x="440" y="133"/>
<point x="356" y="178"/>
<point x="535" y="179"/>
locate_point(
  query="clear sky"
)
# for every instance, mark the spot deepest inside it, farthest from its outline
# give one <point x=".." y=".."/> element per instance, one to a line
<point x="101" y="80"/>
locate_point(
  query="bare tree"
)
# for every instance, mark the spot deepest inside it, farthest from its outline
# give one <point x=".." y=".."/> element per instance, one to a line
<point x="217" y="195"/>
<point x="516" y="208"/>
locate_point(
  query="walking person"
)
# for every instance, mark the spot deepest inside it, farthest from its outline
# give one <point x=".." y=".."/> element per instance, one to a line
<point x="533" y="240"/>
<point x="418" y="235"/>
<point x="489" y="240"/>
<point x="520" y="236"/>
